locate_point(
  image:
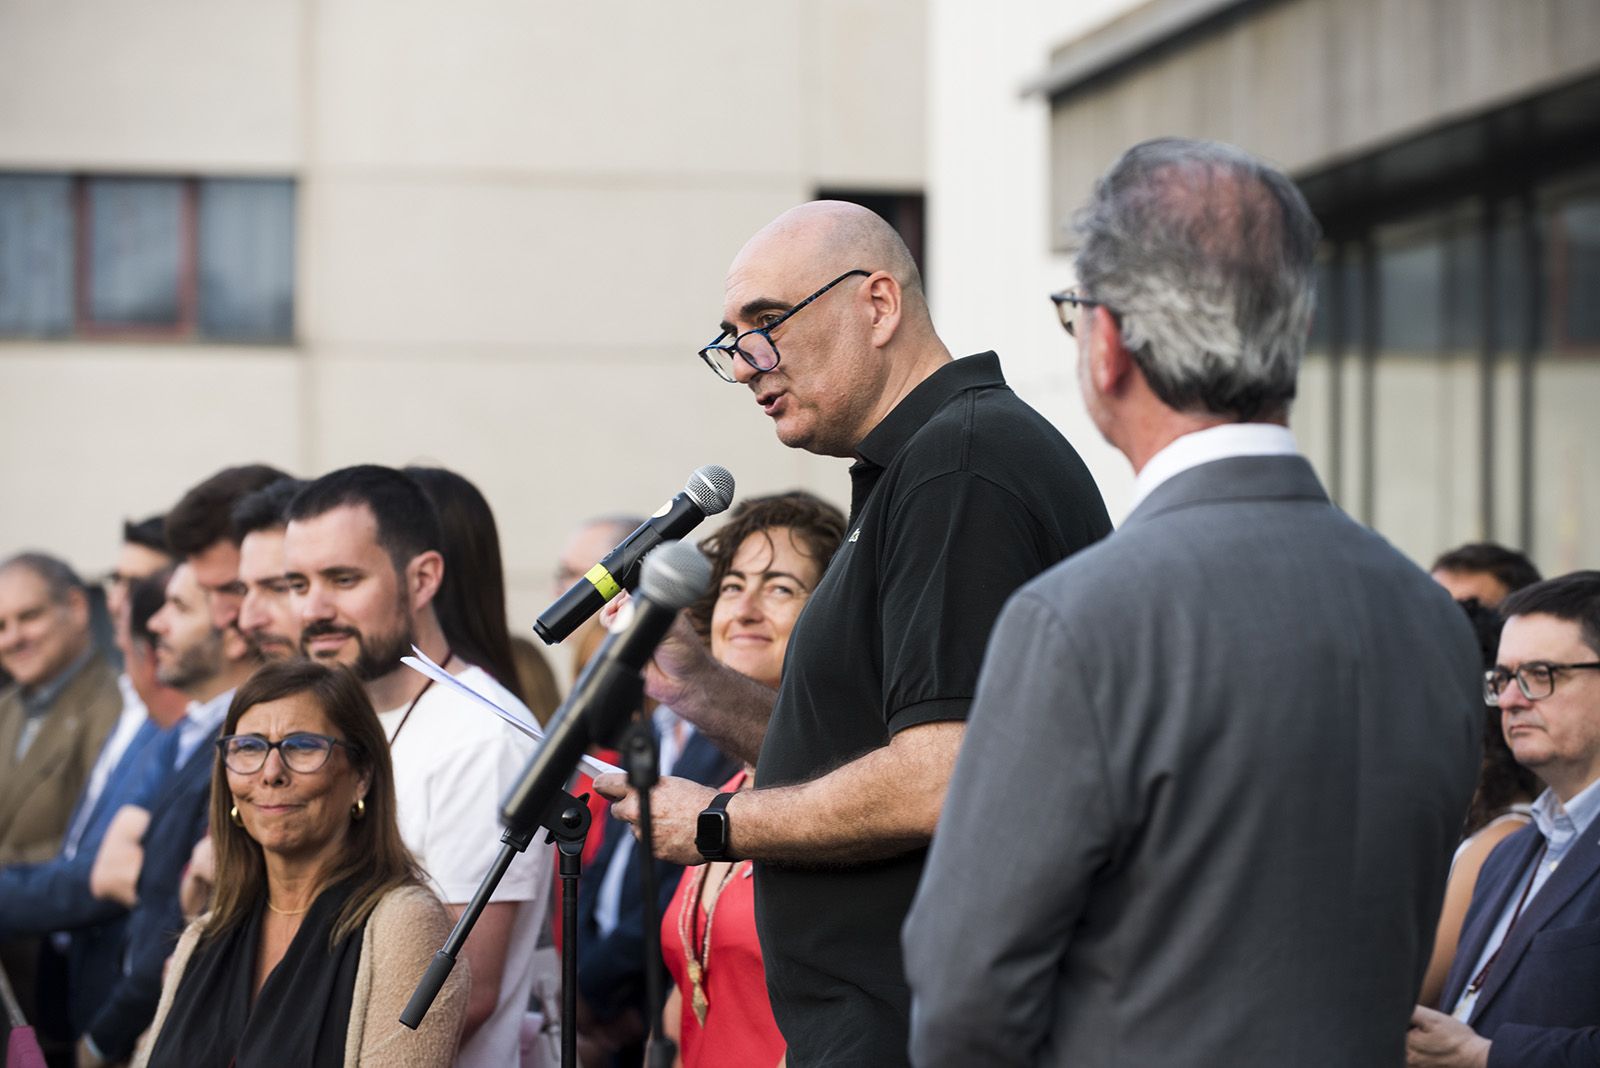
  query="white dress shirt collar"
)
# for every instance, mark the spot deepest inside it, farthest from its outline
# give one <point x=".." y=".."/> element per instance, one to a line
<point x="1212" y="443"/>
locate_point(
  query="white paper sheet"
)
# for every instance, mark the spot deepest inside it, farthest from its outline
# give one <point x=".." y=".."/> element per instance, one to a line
<point x="421" y="662"/>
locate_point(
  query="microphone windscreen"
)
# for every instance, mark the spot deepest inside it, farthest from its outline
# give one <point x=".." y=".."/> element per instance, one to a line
<point x="710" y="488"/>
<point x="675" y="575"/>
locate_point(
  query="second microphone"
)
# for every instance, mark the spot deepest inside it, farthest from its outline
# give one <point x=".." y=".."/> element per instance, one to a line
<point x="709" y="491"/>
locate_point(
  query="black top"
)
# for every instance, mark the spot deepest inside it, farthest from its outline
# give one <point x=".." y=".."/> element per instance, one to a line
<point x="301" y="1015"/>
<point x="960" y="495"/>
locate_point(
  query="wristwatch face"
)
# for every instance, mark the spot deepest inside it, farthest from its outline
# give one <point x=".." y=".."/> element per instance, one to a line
<point x="711" y="834"/>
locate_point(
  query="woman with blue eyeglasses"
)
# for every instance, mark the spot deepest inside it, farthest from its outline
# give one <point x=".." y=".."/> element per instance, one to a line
<point x="320" y="924"/>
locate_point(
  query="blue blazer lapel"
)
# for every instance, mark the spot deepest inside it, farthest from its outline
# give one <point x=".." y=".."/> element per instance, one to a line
<point x="196" y="767"/>
<point x="1576" y="868"/>
<point x="1519" y="849"/>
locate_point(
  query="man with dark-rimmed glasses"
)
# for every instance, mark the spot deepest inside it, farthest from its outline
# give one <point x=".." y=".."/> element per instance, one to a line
<point x="1522" y="988"/>
<point x="960" y="493"/>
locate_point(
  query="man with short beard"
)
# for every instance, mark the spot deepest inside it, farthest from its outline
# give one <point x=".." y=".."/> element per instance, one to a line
<point x="363" y="562"/>
<point x="266" y="617"/>
<point x="142" y="857"/>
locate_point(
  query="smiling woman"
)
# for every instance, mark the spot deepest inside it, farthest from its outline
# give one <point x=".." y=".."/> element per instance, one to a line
<point x="321" y="925"/>
<point x="765" y="562"/>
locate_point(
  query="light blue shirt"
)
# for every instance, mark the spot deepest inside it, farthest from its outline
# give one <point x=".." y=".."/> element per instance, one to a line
<point x="200" y="724"/>
<point x="1560" y="824"/>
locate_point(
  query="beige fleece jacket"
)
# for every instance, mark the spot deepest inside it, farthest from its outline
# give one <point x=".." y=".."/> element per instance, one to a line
<point x="403" y="933"/>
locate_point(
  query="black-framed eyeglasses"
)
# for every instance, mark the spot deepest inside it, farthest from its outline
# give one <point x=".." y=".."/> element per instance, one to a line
<point x="1536" y="679"/>
<point x="756" y="346"/>
<point x="303" y="752"/>
<point x="1067" y="304"/>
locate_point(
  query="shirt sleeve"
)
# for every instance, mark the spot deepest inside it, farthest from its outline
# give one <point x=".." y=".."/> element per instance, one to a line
<point x="36" y="899"/>
<point x="984" y="941"/>
<point x="957" y="547"/>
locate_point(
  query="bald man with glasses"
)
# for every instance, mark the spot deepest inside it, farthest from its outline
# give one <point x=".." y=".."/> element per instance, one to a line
<point x="959" y="493"/>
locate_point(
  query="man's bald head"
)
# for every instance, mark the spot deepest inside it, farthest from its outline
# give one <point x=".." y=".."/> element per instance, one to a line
<point x="824" y="237"/>
<point x="833" y="325"/>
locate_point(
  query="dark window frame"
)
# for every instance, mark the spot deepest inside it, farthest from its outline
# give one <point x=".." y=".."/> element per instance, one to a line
<point x="80" y="323"/>
<point x="186" y="326"/>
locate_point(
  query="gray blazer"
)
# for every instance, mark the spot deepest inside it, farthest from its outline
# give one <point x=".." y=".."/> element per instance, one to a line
<point x="1208" y="795"/>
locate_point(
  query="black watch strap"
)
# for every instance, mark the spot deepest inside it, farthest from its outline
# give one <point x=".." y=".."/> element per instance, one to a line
<point x="711" y="831"/>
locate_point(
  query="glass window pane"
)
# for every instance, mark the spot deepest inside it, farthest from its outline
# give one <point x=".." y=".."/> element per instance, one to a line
<point x="1321" y="323"/>
<point x="1411" y="292"/>
<point x="1566" y="395"/>
<point x="247" y="259"/>
<point x="1579" y="276"/>
<point x="1464" y="330"/>
<point x="36" y="246"/>
<point x="135" y="250"/>
<point x="1425" y="401"/>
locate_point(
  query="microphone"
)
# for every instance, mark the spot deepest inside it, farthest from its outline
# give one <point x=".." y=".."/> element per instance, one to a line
<point x="710" y="490"/>
<point x="610" y="687"/>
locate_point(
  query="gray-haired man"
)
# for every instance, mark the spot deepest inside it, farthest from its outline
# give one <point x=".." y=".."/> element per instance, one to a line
<point x="1216" y="763"/>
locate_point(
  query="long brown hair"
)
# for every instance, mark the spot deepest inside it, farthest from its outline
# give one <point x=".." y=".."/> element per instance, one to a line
<point x="374" y="854"/>
<point x="471" y="602"/>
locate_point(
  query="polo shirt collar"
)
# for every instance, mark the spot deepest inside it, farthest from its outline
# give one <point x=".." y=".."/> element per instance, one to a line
<point x="884" y="441"/>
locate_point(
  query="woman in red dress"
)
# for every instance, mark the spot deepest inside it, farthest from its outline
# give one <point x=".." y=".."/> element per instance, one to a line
<point x="766" y="560"/>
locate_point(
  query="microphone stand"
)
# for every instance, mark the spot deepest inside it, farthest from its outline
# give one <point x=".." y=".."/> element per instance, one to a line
<point x="641" y="751"/>
<point x="567" y="820"/>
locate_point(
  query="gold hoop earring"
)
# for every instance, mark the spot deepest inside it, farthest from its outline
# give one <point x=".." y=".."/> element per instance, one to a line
<point x="359" y="809"/>
<point x="233" y="814"/>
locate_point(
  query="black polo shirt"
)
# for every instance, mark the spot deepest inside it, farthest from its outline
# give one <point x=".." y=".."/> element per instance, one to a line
<point x="960" y="495"/>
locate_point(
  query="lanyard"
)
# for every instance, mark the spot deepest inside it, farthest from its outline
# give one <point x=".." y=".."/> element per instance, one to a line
<point x="1483" y="973"/>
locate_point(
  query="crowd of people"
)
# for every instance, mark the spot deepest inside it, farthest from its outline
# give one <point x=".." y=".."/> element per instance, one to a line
<point x="963" y="777"/>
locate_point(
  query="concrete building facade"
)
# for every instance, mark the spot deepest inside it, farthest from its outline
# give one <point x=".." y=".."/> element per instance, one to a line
<point x="1450" y="150"/>
<point x="508" y="230"/>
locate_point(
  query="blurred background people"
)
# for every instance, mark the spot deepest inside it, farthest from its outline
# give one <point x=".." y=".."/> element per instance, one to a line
<point x="257" y="523"/>
<point x="54" y="720"/>
<point x="143" y="552"/>
<point x="82" y="958"/>
<point x="149" y="839"/>
<point x="1484" y="571"/>
<point x="199" y="531"/>
<point x="766" y="559"/>
<point x="321" y="924"/>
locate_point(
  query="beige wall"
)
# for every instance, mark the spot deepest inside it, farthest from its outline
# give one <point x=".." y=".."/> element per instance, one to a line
<point x="989" y="197"/>
<point x="514" y="223"/>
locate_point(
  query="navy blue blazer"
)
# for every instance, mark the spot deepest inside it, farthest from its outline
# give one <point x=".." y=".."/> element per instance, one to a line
<point x="53" y="895"/>
<point x="37" y="899"/>
<point x="611" y="969"/>
<point x="179" y="816"/>
<point x="1540" y="1004"/>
